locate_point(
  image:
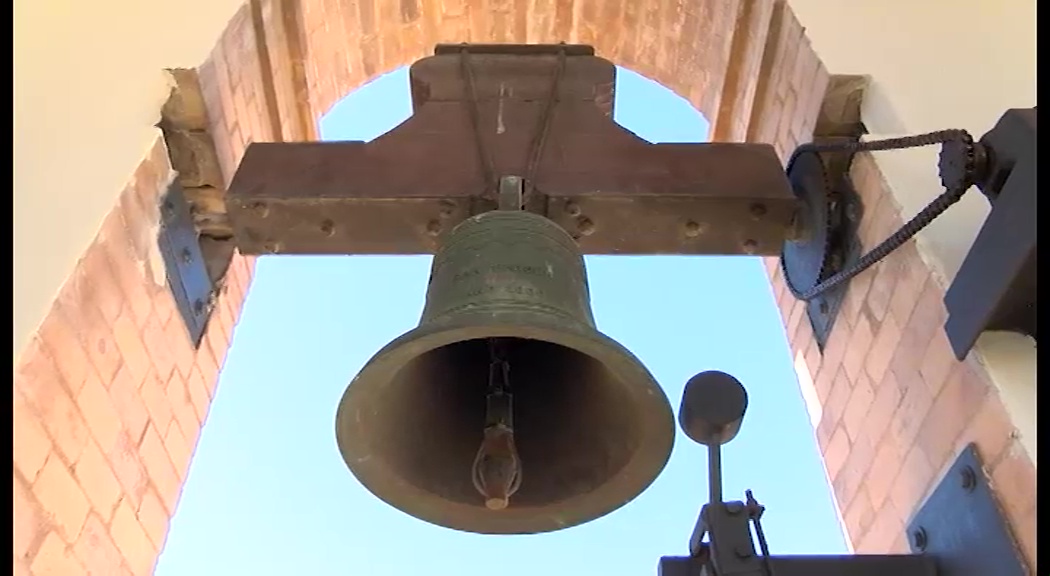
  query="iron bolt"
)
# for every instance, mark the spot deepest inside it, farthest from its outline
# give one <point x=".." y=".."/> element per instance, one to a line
<point x="261" y="209"/>
<point x="186" y="256"/>
<point x="433" y="228"/>
<point x="198" y="306"/>
<point x="734" y="508"/>
<point x="742" y="552"/>
<point x="758" y="210"/>
<point x="693" y="229"/>
<point x="750" y="246"/>
<point x="969" y="478"/>
<point x="572" y="209"/>
<point x="328" y="227"/>
<point x="446" y="209"/>
<point x="919" y="539"/>
<point x="585" y="225"/>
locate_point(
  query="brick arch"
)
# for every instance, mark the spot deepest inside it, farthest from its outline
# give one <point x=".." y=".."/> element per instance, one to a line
<point x="279" y="66"/>
<point x="111" y="396"/>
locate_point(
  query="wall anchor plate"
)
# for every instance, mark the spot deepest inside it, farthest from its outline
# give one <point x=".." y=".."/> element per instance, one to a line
<point x="962" y="528"/>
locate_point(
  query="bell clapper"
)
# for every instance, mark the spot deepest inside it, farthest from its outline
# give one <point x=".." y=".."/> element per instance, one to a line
<point x="497" y="467"/>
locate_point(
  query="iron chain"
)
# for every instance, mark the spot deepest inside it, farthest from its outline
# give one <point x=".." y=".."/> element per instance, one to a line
<point x="952" y="194"/>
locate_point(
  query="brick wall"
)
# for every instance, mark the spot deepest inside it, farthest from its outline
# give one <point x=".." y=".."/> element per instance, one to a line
<point x="109" y="400"/>
<point x="893" y="407"/>
<point x="110" y="397"/>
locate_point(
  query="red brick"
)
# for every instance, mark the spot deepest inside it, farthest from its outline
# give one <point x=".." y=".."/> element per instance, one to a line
<point x="882" y="288"/>
<point x="1024" y="530"/>
<point x="97" y="480"/>
<point x="179" y="449"/>
<point x="128" y="268"/>
<point x="836" y="452"/>
<point x="156" y="342"/>
<point x="884" y="468"/>
<point x="64" y="346"/>
<point x="155" y="397"/>
<point x="55" y="559"/>
<point x="179" y="344"/>
<point x="913" y="275"/>
<point x="209" y="370"/>
<point x="182" y="407"/>
<point x="95" y="333"/>
<point x="154" y="518"/>
<point x="100" y="285"/>
<point x="47" y="396"/>
<point x="858" y="516"/>
<point x="837" y="399"/>
<point x="1013" y="480"/>
<point x="61" y="498"/>
<point x="856" y="295"/>
<point x="958" y="402"/>
<point x="97" y="552"/>
<point x="887" y="399"/>
<point x="99" y="412"/>
<point x="200" y="395"/>
<point x="124" y="391"/>
<point x="883" y="348"/>
<point x="124" y="459"/>
<point x="881" y="538"/>
<point x="990" y="429"/>
<point x="130" y="538"/>
<point x="31" y="444"/>
<point x="856" y="410"/>
<point x="858" y="348"/>
<point x="937" y="361"/>
<point x="136" y="357"/>
<point x="854" y="471"/>
<point x="30" y="523"/>
<point x="160" y="468"/>
<point x="911" y="413"/>
<point x="216" y="341"/>
<point x="912" y="483"/>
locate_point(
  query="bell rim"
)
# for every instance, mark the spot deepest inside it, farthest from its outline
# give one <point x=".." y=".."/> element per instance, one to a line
<point x="637" y="475"/>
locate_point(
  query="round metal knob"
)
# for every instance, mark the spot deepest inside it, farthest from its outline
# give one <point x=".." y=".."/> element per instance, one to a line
<point x="713" y="407"/>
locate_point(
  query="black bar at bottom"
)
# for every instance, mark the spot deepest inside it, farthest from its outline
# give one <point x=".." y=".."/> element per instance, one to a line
<point x="829" y="565"/>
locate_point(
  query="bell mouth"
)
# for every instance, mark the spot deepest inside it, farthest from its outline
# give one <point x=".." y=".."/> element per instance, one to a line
<point x="592" y="427"/>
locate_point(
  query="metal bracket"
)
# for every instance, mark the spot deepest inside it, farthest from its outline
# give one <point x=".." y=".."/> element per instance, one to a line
<point x="186" y="268"/>
<point x="844" y="246"/>
<point x="995" y="288"/>
<point x="961" y="527"/>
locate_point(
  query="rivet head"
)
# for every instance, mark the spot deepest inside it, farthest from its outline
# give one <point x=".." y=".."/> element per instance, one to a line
<point x="758" y="210"/>
<point x="919" y="539"/>
<point x="433" y="228"/>
<point x="585" y="225"/>
<point x="749" y="246"/>
<point x="573" y="209"/>
<point x="446" y="209"/>
<point x="328" y="227"/>
<point x="272" y="247"/>
<point x="693" y="229"/>
<point x="261" y="209"/>
<point x="968" y="478"/>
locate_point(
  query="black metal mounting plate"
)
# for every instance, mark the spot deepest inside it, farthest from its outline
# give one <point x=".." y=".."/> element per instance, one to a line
<point x="995" y="287"/>
<point x="186" y="269"/>
<point x="844" y="245"/>
<point x="822" y="182"/>
<point x="962" y="528"/>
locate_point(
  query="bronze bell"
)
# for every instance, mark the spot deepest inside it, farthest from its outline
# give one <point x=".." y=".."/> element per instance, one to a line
<point x="505" y="411"/>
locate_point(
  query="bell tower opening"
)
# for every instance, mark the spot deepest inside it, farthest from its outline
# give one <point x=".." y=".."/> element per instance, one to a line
<point x="310" y="323"/>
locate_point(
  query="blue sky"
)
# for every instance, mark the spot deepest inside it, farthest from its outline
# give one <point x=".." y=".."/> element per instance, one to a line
<point x="269" y="495"/>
